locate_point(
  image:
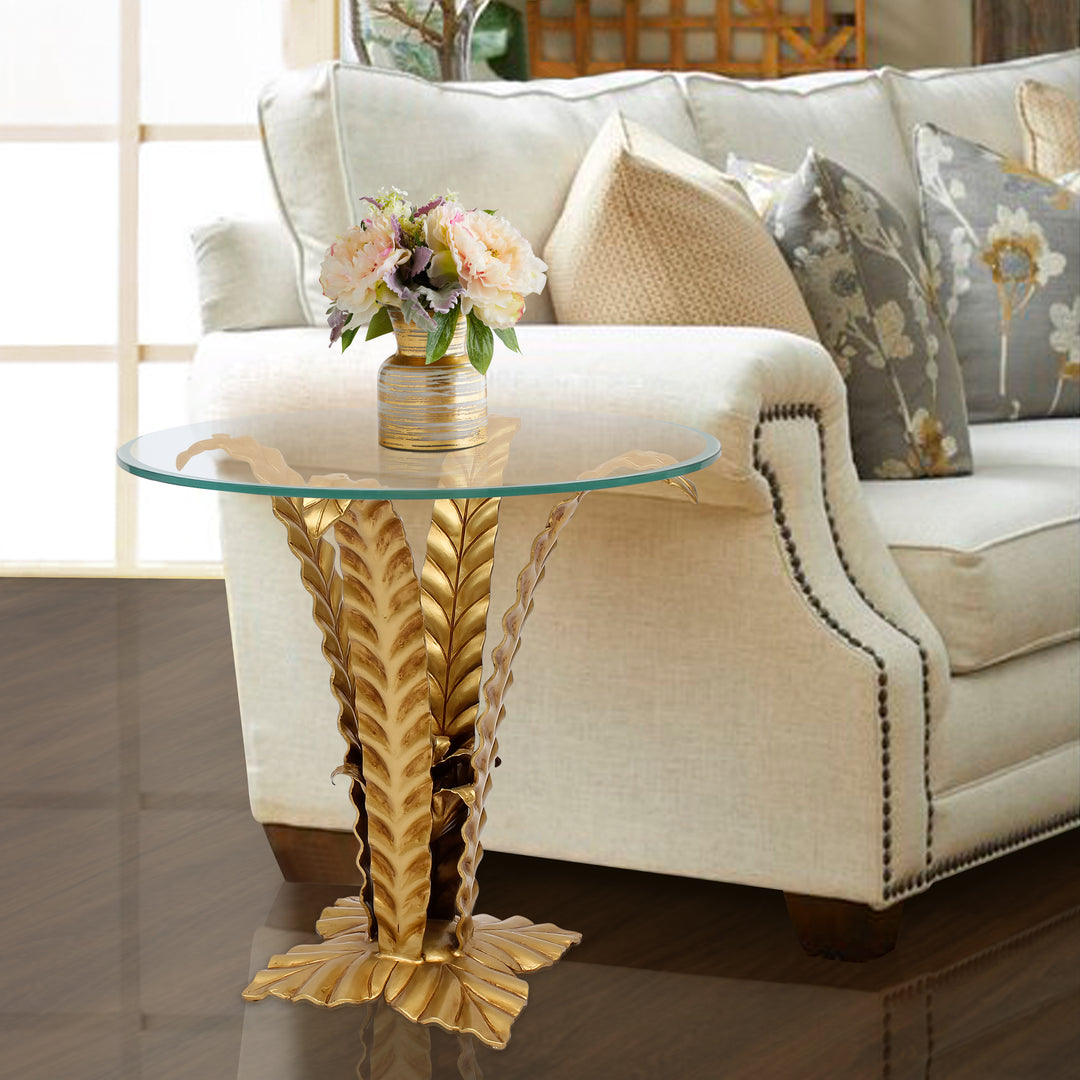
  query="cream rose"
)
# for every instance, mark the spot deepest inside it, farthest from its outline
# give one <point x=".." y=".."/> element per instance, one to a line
<point x="358" y="262"/>
<point x="493" y="262"/>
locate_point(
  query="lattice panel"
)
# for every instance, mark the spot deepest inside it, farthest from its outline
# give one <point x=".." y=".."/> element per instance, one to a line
<point x="748" y="38"/>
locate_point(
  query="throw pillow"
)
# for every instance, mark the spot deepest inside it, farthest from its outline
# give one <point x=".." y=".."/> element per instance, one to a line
<point x="1051" y="123"/>
<point x="650" y="234"/>
<point x="1004" y="244"/>
<point x="870" y="293"/>
<point x="760" y="182"/>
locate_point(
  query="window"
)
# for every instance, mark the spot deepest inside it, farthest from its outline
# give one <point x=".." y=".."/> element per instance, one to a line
<point x="123" y="123"/>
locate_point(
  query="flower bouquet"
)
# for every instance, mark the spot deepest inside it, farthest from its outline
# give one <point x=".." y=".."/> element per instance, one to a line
<point x="436" y="265"/>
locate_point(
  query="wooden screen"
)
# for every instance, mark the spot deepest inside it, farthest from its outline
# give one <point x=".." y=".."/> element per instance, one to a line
<point x="748" y="38"/>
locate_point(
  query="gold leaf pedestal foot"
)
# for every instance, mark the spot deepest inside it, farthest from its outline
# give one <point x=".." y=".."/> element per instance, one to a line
<point x="473" y="988"/>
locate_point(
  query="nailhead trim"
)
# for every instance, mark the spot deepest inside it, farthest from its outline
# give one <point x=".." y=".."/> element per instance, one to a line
<point x="933" y="870"/>
<point x="981" y="852"/>
<point x="804" y="411"/>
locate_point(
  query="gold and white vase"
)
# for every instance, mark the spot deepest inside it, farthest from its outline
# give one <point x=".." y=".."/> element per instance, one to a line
<point x="439" y="406"/>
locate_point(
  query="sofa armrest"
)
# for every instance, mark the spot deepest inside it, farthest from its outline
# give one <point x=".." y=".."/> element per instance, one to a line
<point x="248" y="277"/>
<point x="827" y="599"/>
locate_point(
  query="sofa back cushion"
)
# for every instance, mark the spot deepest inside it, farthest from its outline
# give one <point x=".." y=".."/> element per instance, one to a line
<point x="337" y="132"/>
<point x="978" y="103"/>
<point x="845" y="118"/>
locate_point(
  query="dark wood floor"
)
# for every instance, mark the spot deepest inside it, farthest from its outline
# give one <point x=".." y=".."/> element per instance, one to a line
<point x="138" y="894"/>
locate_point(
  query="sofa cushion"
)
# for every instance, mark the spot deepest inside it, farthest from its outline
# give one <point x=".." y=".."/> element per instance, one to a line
<point x="994" y="558"/>
<point x="1050" y="119"/>
<point x="651" y="234"/>
<point x="777" y="122"/>
<point x="978" y="103"/>
<point x="337" y="132"/>
<point x="1007" y="245"/>
<point x="870" y="294"/>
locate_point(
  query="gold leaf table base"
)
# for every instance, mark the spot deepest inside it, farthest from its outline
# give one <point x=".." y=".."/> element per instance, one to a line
<point x="474" y="989"/>
<point x="405" y="656"/>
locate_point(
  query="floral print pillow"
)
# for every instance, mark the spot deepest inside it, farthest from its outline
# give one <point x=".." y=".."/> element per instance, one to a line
<point x="1004" y="246"/>
<point x="872" y="299"/>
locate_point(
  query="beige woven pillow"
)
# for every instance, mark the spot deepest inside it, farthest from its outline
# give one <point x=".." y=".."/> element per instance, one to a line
<point x="651" y="235"/>
<point x="1051" y="122"/>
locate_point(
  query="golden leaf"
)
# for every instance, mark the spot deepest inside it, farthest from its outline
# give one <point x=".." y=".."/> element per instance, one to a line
<point x="475" y="989"/>
<point x="267" y="464"/>
<point x="495" y="688"/>
<point x="455" y="593"/>
<point x="320" y="578"/>
<point x="388" y="663"/>
<point x="487" y="745"/>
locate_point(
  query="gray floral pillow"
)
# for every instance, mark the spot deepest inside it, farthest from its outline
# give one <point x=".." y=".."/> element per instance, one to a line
<point x="1004" y="244"/>
<point x="869" y="292"/>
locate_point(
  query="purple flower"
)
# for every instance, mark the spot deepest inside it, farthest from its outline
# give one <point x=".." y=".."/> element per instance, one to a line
<point x="337" y="320"/>
<point x="428" y="207"/>
<point x="420" y="259"/>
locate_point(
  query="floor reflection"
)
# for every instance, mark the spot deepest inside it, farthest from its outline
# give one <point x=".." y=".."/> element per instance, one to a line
<point x="1008" y="1010"/>
<point x="138" y="898"/>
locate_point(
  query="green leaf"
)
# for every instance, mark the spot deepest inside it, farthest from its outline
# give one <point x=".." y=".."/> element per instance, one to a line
<point x="479" y="344"/>
<point x="509" y="338"/>
<point x="491" y="212"/>
<point x="438" y="341"/>
<point x="380" y="324"/>
<point x="347" y="337"/>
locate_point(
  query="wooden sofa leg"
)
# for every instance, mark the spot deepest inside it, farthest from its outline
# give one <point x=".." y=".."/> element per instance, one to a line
<point x="842" y="930"/>
<point x="319" y="855"/>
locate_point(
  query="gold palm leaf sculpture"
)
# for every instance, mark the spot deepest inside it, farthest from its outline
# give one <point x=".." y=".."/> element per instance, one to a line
<point x="406" y="656"/>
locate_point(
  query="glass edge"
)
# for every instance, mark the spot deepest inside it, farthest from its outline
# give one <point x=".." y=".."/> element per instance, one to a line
<point x="700" y="461"/>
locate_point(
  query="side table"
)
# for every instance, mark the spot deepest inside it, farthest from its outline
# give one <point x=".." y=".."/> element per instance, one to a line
<point x="405" y="654"/>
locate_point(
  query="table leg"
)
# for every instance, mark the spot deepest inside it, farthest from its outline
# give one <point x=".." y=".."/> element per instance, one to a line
<point x="405" y="656"/>
<point x="415" y="701"/>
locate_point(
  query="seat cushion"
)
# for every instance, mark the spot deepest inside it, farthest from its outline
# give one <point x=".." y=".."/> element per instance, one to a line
<point x="994" y="558"/>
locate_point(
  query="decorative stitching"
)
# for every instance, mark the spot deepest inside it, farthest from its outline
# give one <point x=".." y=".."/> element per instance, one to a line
<point x="933" y="870"/>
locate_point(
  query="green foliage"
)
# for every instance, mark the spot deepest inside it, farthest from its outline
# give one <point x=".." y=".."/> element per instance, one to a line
<point x="479" y="343"/>
<point x="347" y="337"/>
<point x="438" y="341"/>
<point x="380" y="324"/>
<point x="509" y="338"/>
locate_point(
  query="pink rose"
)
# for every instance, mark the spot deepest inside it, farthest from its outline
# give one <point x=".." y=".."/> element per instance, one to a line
<point x="358" y="261"/>
<point x="493" y="262"/>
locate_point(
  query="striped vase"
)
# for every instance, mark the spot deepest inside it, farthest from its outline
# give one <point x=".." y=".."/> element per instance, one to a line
<point x="439" y="406"/>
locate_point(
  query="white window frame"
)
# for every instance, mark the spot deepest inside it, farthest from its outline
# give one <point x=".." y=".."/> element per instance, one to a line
<point x="311" y="32"/>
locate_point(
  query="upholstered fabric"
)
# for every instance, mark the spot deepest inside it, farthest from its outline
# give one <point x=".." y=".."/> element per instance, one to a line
<point x="747" y="689"/>
<point x="247" y="276"/>
<point x="621" y="569"/>
<point x="1004" y="715"/>
<point x="999" y="813"/>
<point x="337" y="132"/>
<point x="1004" y="246"/>
<point x="650" y="234"/>
<point x="1050" y="119"/>
<point x="977" y="103"/>
<point x="777" y="122"/>
<point x="871" y="297"/>
<point x="994" y="558"/>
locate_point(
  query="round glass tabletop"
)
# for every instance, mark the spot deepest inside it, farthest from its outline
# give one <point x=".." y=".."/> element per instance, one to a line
<point x="336" y="453"/>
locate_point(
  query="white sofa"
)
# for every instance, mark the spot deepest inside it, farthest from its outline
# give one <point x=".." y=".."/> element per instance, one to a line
<point x="836" y="688"/>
